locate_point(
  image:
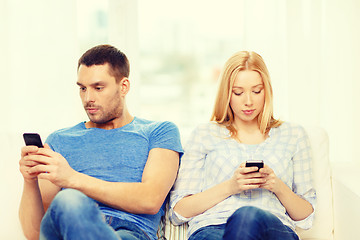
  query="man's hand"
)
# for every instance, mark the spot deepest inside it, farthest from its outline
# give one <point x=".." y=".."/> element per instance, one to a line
<point x="47" y="164"/>
<point x="25" y="164"/>
<point x="37" y="195"/>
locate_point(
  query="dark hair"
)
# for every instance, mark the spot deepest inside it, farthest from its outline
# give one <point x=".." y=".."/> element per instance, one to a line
<point x="102" y="54"/>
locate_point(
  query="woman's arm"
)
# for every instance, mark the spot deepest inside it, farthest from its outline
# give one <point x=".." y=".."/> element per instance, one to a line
<point x="196" y="204"/>
<point x="297" y="207"/>
<point x="242" y="179"/>
<point x="299" y="198"/>
<point x="189" y="197"/>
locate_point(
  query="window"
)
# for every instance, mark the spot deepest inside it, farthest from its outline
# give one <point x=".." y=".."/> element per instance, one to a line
<point x="182" y="48"/>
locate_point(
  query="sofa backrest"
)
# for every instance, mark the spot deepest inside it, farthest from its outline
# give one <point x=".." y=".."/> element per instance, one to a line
<point x="323" y="224"/>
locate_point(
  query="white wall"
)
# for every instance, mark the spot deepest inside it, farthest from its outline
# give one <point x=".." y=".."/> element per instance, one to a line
<point x="38" y="45"/>
<point x="340" y="78"/>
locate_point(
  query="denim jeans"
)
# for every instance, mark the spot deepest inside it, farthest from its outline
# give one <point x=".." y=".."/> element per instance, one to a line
<point x="247" y="223"/>
<point x="73" y="215"/>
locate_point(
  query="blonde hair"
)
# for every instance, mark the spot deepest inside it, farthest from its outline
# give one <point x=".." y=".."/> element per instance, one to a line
<point x="222" y="113"/>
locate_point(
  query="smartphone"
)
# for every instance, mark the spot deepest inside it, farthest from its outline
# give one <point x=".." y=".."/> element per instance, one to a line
<point x="255" y="163"/>
<point x="33" y="139"/>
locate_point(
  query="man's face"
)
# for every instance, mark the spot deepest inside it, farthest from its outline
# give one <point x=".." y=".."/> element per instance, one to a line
<point x="100" y="94"/>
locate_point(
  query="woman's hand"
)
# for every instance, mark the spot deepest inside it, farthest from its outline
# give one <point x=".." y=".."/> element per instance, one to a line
<point x="246" y="178"/>
<point x="272" y="182"/>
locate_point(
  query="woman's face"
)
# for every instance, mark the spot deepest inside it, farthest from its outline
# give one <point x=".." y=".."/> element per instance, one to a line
<point x="248" y="97"/>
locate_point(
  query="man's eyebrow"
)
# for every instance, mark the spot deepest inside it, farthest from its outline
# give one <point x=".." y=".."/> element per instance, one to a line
<point x="99" y="83"/>
<point x="93" y="84"/>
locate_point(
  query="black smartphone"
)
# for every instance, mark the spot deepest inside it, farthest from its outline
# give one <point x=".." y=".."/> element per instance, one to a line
<point x="255" y="163"/>
<point x="33" y="139"/>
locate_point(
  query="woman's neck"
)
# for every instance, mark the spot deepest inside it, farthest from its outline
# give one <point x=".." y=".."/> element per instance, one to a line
<point x="249" y="127"/>
<point x="249" y="133"/>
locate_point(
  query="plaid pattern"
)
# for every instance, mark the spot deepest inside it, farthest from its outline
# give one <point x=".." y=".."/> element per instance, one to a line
<point x="211" y="157"/>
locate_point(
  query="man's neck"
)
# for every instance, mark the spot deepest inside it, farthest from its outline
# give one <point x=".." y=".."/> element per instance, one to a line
<point x="115" y="123"/>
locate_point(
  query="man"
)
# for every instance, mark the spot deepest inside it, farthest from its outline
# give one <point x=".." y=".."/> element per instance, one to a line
<point x="106" y="178"/>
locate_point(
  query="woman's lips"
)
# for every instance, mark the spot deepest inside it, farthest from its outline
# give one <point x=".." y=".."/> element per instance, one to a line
<point x="248" y="112"/>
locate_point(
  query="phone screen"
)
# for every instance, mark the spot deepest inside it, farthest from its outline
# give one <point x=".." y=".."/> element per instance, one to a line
<point x="255" y="163"/>
<point x="33" y="139"/>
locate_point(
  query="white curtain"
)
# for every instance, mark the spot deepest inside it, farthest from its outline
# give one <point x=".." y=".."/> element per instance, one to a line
<point x="311" y="48"/>
<point x="38" y="61"/>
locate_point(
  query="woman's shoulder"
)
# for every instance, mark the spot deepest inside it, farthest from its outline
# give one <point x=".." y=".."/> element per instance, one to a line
<point x="207" y="135"/>
<point x="211" y="128"/>
<point x="290" y="128"/>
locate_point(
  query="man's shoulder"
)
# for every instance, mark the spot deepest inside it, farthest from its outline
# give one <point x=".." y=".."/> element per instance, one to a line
<point x="76" y="129"/>
<point x="152" y="125"/>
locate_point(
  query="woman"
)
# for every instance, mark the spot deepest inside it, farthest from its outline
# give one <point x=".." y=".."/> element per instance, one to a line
<point x="215" y="193"/>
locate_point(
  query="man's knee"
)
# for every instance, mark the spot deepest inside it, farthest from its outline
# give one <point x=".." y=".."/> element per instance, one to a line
<point x="71" y="201"/>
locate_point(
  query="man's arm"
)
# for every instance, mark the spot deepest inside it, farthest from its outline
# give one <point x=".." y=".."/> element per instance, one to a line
<point x="34" y="201"/>
<point x="145" y="197"/>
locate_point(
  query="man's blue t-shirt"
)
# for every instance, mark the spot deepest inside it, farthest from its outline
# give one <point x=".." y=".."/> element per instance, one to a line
<point x="117" y="155"/>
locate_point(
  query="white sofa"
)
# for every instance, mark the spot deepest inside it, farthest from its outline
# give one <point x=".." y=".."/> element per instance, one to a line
<point x="323" y="225"/>
<point x="11" y="187"/>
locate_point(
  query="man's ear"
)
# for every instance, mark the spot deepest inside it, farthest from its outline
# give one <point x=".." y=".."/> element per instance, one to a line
<point x="124" y="86"/>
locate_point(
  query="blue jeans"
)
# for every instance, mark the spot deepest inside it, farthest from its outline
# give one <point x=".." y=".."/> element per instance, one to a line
<point x="247" y="223"/>
<point x="73" y="215"/>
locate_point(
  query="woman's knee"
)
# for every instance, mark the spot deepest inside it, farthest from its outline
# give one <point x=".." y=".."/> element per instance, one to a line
<point x="250" y="215"/>
<point x="247" y="222"/>
<point x="247" y="213"/>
